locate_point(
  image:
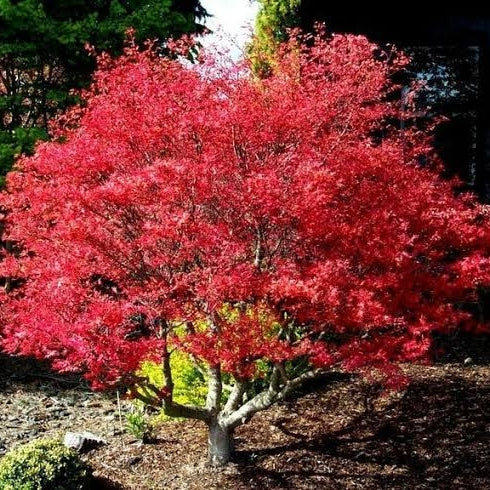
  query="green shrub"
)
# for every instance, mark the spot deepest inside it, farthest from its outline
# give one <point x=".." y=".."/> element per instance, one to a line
<point x="44" y="464"/>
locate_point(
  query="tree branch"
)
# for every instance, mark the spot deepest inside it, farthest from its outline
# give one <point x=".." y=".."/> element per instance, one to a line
<point x="236" y="396"/>
<point x="164" y="401"/>
<point x="274" y="383"/>
<point x="215" y="388"/>
<point x="147" y="400"/>
<point x="150" y="395"/>
<point x="258" y="249"/>
<point x="173" y="409"/>
<point x="272" y="395"/>
<point x="166" y="368"/>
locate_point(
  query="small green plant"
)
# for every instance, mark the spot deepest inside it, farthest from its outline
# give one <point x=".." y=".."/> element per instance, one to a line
<point x="139" y="424"/>
<point x="43" y="464"/>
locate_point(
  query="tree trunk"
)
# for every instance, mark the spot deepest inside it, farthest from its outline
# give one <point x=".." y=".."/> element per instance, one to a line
<point x="220" y="444"/>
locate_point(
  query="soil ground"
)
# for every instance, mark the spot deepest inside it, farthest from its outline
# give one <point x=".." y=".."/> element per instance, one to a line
<point x="339" y="433"/>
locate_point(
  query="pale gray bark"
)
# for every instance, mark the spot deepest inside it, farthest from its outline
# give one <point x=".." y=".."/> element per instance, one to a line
<point x="222" y="425"/>
<point x="273" y="394"/>
<point x="215" y="388"/>
<point x="236" y="396"/>
<point x="222" y="421"/>
<point x="220" y="443"/>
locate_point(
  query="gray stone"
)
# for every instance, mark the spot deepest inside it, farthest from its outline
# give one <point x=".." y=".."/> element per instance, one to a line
<point x="82" y="440"/>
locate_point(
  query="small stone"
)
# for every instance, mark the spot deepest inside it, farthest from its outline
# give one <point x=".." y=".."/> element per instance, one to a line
<point x="82" y="440"/>
<point x="468" y="361"/>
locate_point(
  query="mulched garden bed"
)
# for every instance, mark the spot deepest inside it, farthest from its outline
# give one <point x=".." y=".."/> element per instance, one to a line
<point x="341" y="433"/>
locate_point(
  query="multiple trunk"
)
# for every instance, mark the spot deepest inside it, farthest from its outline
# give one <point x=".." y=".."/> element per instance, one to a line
<point x="222" y="420"/>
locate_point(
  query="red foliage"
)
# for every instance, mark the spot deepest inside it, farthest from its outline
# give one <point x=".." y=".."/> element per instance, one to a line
<point x="273" y="219"/>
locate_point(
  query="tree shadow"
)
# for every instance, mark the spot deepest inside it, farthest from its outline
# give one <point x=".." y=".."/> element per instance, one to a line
<point x="102" y="483"/>
<point x="30" y="373"/>
<point x="434" y="436"/>
<point x="462" y="348"/>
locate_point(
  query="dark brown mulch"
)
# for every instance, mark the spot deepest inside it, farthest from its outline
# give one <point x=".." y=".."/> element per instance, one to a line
<point x="341" y="433"/>
<point x="347" y="435"/>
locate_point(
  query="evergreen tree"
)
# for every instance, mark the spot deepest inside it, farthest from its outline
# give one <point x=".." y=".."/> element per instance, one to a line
<point x="273" y="19"/>
<point x="42" y="55"/>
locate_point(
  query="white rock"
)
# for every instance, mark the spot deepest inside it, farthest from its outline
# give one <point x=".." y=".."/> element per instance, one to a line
<point x="82" y="440"/>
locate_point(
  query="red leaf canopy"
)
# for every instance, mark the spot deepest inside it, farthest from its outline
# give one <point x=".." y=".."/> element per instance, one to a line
<point x="239" y="219"/>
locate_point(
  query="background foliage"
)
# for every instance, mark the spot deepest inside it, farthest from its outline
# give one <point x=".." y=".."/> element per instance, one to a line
<point x="272" y="21"/>
<point x="43" y="58"/>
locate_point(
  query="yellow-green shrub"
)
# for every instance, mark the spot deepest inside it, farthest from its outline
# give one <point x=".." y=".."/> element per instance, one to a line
<point x="189" y="382"/>
<point x="43" y="464"/>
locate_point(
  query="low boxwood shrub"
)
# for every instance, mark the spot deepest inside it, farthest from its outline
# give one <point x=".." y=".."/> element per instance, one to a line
<point x="43" y="464"/>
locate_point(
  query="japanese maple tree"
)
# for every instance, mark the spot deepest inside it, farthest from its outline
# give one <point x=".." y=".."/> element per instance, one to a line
<point x="269" y="228"/>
